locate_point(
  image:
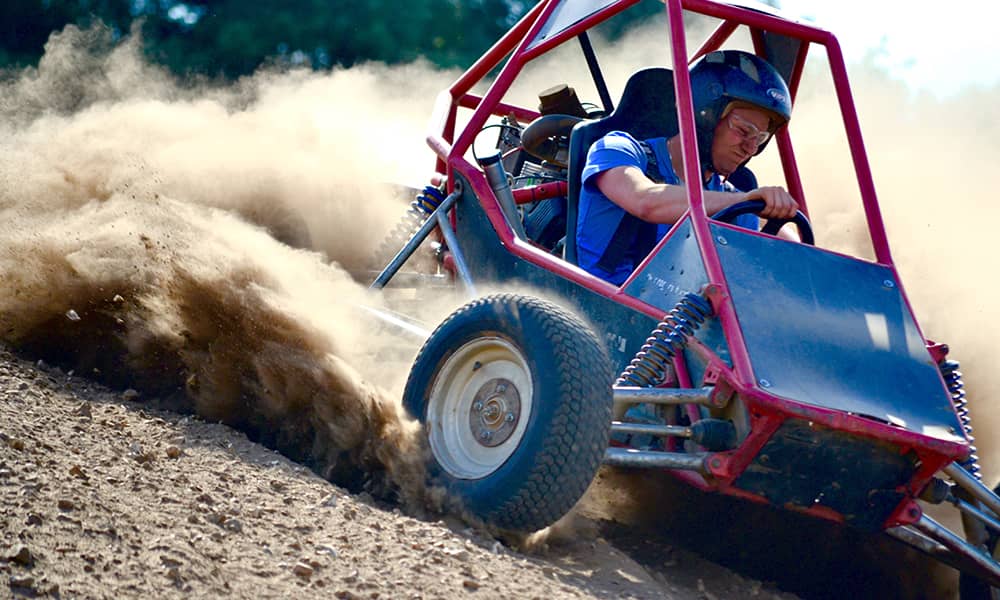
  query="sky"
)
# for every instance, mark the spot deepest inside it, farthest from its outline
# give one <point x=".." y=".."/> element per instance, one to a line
<point x="941" y="51"/>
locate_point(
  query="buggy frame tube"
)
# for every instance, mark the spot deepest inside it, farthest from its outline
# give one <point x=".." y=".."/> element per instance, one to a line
<point x="699" y="220"/>
<point x="456" y="252"/>
<point x="910" y="536"/>
<point x="595" y="72"/>
<point x="792" y="178"/>
<point x="643" y="459"/>
<point x="415" y="240"/>
<point x="666" y="396"/>
<point x="785" y="149"/>
<point x="876" y="226"/>
<point x="470" y="100"/>
<point x="969" y="483"/>
<point x="989" y="568"/>
<point x="973" y="511"/>
<point x="718" y="37"/>
<point x="647" y="429"/>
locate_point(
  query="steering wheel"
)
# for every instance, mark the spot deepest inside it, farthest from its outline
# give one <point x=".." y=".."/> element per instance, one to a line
<point x="729" y="214"/>
<point x="547" y="138"/>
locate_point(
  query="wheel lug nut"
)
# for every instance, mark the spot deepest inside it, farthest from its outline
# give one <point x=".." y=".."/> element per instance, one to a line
<point x="486" y="435"/>
<point x="478" y="406"/>
<point x="509" y="417"/>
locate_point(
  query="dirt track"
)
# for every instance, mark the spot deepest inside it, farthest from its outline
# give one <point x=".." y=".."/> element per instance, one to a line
<point x="102" y="496"/>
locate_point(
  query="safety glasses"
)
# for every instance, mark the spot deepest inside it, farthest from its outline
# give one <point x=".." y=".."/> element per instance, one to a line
<point x="747" y="130"/>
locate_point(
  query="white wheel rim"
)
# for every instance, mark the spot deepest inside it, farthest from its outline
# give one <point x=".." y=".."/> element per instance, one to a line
<point x="474" y="423"/>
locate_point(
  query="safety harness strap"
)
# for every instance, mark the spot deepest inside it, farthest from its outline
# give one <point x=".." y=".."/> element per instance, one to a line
<point x="632" y="232"/>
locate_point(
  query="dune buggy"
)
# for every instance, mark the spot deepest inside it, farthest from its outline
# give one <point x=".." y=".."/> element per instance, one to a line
<point x="741" y="363"/>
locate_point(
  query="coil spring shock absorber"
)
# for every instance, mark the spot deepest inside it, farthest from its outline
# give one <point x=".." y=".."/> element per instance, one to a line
<point x="953" y="379"/>
<point x="422" y="206"/>
<point x="649" y="367"/>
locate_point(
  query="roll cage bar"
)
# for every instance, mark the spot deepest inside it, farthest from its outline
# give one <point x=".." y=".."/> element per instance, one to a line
<point x="781" y="41"/>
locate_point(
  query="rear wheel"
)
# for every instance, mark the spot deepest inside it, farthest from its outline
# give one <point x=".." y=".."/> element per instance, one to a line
<point x="515" y="397"/>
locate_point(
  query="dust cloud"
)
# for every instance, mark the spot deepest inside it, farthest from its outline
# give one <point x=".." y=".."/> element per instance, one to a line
<point x="197" y="241"/>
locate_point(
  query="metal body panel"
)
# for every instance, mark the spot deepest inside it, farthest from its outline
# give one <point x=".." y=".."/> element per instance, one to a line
<point x="804" y="466"/>
<point x="674" y="270"/>
<point x="832" y="331"/>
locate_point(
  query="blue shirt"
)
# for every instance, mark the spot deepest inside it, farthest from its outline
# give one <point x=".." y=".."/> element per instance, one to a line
<point x="598" y="217"/>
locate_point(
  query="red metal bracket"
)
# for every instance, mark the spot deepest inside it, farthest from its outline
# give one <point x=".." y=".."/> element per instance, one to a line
<point x="909" y="512"/>
<point x="938" y="351"/>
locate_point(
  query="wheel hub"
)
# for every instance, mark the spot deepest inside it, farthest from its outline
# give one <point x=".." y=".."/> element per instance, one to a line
<point x="495" y="411"/>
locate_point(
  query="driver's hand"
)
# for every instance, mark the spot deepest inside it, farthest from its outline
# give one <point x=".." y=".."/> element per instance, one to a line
<point x="779" y="203"/>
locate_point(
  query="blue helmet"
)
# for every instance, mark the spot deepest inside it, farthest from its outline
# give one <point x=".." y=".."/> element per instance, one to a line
<point x="726" y="76"/>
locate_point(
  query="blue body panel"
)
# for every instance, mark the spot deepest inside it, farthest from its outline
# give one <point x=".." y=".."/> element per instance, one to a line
<point x="676" y="270"/>
<point x="834" y="332"/>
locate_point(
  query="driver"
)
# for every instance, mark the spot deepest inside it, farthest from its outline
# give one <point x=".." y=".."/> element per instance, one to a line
<point x="633" y="191"/>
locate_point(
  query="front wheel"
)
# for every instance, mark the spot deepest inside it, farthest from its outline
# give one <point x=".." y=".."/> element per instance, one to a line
<point x="515" y="397"/>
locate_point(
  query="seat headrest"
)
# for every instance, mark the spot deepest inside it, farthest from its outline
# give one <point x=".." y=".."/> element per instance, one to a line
<point x="647" y="108"/>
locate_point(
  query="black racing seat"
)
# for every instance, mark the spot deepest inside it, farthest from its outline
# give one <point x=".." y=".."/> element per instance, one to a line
<point x="647" y="109"/>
